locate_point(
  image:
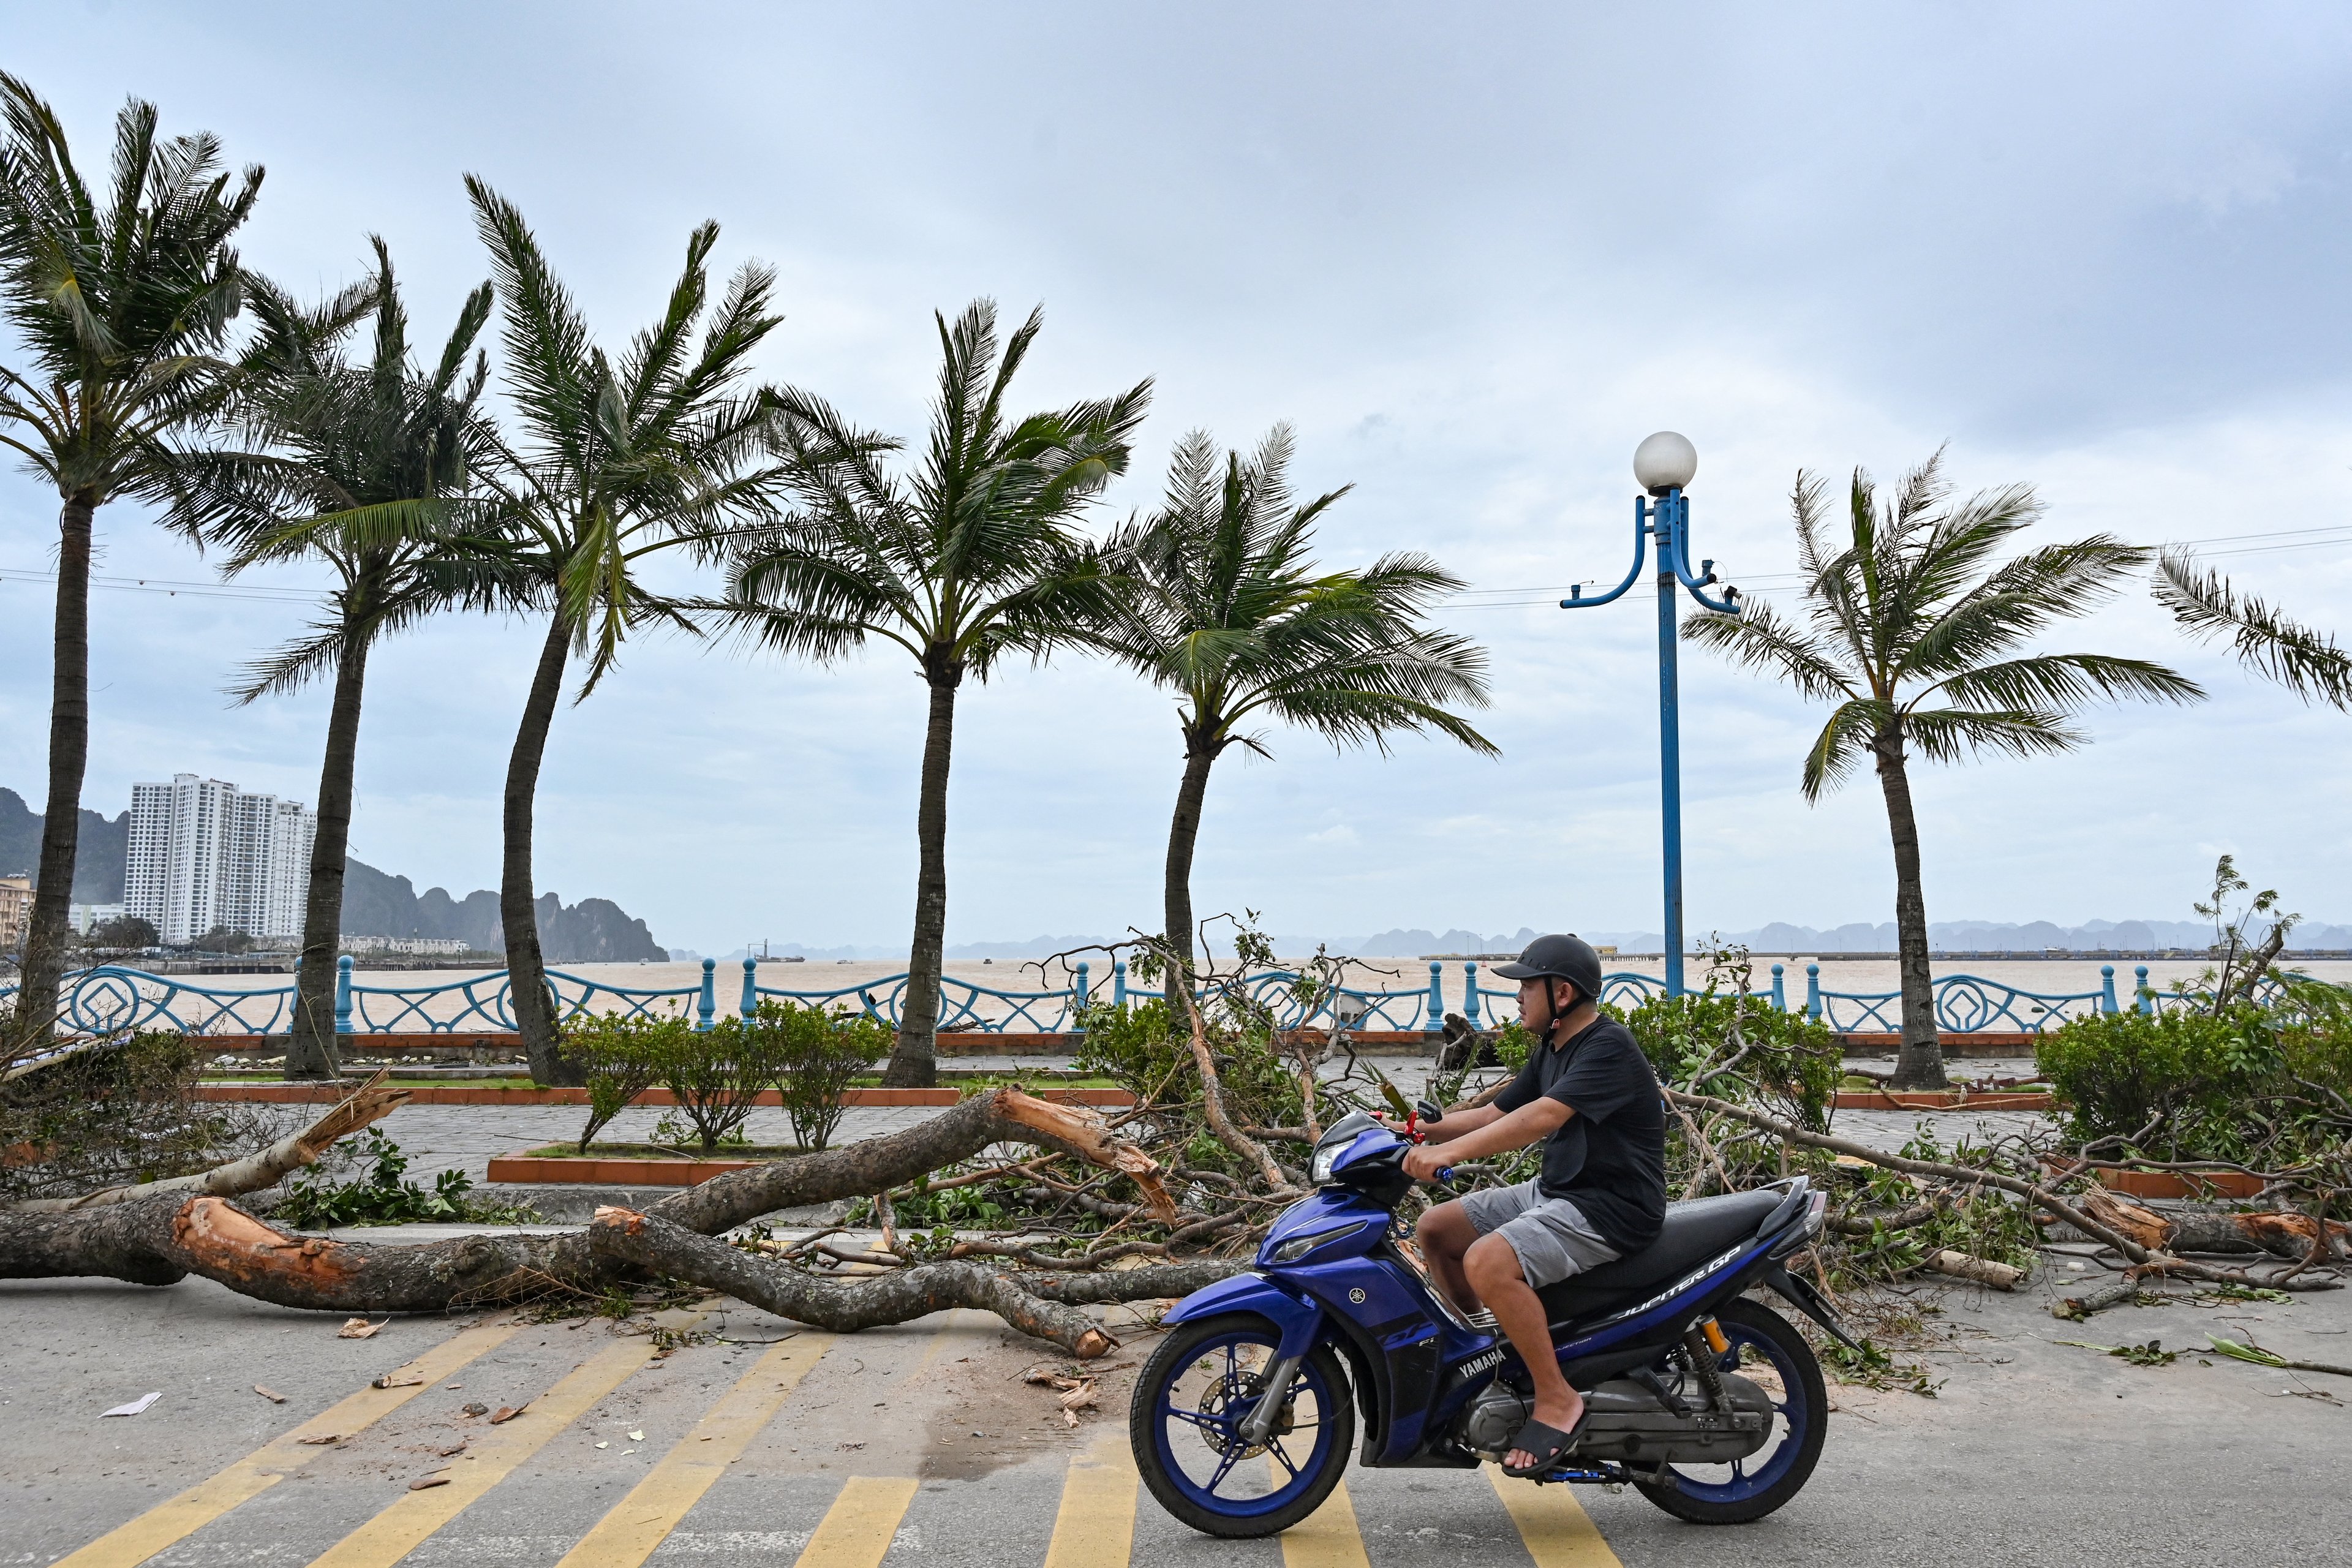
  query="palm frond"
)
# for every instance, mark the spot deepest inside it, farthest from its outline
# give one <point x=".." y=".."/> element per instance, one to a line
<point x="2307" y="662"/>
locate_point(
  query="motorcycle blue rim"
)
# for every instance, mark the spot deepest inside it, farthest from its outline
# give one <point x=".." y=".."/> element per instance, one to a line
<point x="1792" y="1408"/>
<point x="1167" y="1418"/>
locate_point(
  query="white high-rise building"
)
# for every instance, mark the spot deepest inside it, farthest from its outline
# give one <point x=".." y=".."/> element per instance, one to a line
<point x="203" y="854"/>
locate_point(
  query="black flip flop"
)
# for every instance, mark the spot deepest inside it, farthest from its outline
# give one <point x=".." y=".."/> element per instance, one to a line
<point x="1546" y="1444"/>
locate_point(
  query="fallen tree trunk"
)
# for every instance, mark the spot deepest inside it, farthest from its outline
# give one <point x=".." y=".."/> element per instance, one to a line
<point x="2279" y="1233"/>
<point x="157" y="1238"/>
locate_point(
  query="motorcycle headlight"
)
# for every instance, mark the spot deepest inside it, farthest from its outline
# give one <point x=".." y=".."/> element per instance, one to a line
<point x="1318" y="1170"/>
<point x="1298" y="1247"/>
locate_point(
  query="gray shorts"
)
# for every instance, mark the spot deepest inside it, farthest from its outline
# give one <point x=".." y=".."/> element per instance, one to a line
<point x="1551" y="1235"/>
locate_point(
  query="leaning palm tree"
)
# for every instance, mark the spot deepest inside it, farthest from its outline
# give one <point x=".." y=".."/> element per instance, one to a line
<point x="371" y="469"/>
<point x="1230" y="614"/>
<point x="1914" y="635"/>
<point x="121" y="303"/>
<point x="972" y="558"/>
<point x="617" y="459"/>
<point x="2307" y="662"/>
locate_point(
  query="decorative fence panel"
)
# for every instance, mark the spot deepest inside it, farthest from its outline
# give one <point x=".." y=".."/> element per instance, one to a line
<point x="112" y="999"/>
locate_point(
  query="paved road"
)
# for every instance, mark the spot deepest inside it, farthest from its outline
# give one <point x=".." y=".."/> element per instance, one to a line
<point x="920" y="1446"/>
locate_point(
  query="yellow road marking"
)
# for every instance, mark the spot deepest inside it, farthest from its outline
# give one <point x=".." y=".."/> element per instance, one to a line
<point x="1327" y="1538"/>
<point x="169" y="1522"/>
<point x="1096" y="1528"/>
<point x="489" y="1458"/>
<point x="1558" y="1532"/>
<point x="627" y="1534"/>
<point x="858" y="1528"/>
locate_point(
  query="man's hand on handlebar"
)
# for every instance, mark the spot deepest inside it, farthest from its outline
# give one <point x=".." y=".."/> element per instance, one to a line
<point x="1422" y="1162"/>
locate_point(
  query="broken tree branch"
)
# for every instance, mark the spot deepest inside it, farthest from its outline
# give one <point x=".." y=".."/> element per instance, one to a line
<point x="649" y="1242"/>
<point x="371" y="1102"/>
<point x="2030" y="1191"/>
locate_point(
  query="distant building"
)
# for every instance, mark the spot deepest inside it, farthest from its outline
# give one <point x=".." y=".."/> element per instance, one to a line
<point x="87" y="918"/>
<point x="205" y="854"/>
<point x="417" y="944"/>
<point x="15" y="910"/>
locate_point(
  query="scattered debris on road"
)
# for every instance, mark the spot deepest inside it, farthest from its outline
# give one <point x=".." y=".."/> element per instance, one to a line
<point x="359" y="1329"/>
<point x="269" y="1394"/>
<point x="135" y="1406"/>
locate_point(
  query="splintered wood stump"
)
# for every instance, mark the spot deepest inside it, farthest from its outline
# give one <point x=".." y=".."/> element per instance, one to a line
<point x="2279" y="1233"/>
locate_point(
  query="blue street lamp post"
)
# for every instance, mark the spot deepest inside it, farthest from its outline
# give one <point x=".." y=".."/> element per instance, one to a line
<point x="1665" y="465"/>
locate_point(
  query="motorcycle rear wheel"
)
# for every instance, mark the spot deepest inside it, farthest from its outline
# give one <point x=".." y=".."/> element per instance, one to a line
<point x="1765" y="1341"/>
<point x="1191" y="1399"/>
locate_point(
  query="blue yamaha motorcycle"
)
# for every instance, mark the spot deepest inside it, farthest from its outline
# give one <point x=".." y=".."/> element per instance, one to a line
<point x="1707" y="1401"/>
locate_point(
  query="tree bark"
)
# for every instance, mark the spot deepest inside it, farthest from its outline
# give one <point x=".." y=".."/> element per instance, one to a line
<point x="534" y="1009"/>
<point x="43" y="970"/>
<point x="1920" y="1064"/>
<point x="2280" y="1234"/>
<point x="312" y="1052"/>
<point x="914" y="1058"/>
<point x="1183" y="831"/>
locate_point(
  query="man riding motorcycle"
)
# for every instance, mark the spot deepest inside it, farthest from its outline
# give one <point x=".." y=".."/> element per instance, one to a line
<point x="1588" y="1091"/>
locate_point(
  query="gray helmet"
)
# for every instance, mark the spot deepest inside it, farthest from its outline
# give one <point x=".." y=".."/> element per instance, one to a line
<point x="1565" y="956"/>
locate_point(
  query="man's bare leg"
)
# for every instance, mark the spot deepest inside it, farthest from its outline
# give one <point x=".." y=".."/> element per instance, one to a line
<point x="1493" y="1269"/>
<point x="1446" y="1235"/>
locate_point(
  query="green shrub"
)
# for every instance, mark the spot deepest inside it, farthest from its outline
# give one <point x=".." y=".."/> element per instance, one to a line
<point x="718" y="1074"/>
<point x="817" y="1054"/>
<point x="620" y="1057"/>
<point x="2118" y="1070"/>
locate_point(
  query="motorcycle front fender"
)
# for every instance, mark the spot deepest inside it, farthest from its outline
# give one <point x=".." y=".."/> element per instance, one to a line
<point x="1295" y="1317"/>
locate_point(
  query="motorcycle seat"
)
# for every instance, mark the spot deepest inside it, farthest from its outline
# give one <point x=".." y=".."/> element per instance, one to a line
<point x="1695" y="1232"/>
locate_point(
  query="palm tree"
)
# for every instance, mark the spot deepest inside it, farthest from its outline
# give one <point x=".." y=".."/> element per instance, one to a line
<point x="2305" y="660"/>
<point x="370" y="467"/>
<point x="1915" y="637"/>
<point x="617" y="459"/>
<point x="119" y="306"/>
<point x="1230" y="614"/>
<point x="969" y="559"/>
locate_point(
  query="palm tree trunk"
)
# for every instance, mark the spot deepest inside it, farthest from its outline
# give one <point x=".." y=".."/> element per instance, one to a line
<point x="534" y="1010"/>
<point x="914" y="1059"/>
<point x="1920" y="1064"/>
<point x="45" y="934"/>
<point x="312" y="1051"/>
<point x="1183" y="831"/>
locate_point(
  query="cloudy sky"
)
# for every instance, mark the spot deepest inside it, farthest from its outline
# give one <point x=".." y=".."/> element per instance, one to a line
<point x="1473" y="253"/>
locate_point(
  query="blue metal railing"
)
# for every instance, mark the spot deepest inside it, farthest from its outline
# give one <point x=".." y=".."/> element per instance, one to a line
<point x="1965" y="1003"/>
<point x="112" y="998"/>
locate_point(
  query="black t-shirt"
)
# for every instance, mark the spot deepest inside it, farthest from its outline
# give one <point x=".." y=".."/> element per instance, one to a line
<point x="1609" y="1158"/>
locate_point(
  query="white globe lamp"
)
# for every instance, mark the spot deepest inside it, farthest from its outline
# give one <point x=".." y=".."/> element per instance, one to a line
<point x="1666" y="461"/>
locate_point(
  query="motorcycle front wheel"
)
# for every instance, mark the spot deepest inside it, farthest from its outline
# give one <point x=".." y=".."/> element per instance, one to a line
<point x="1767" y="1350"/>
<point x="1192" y="1401"/>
